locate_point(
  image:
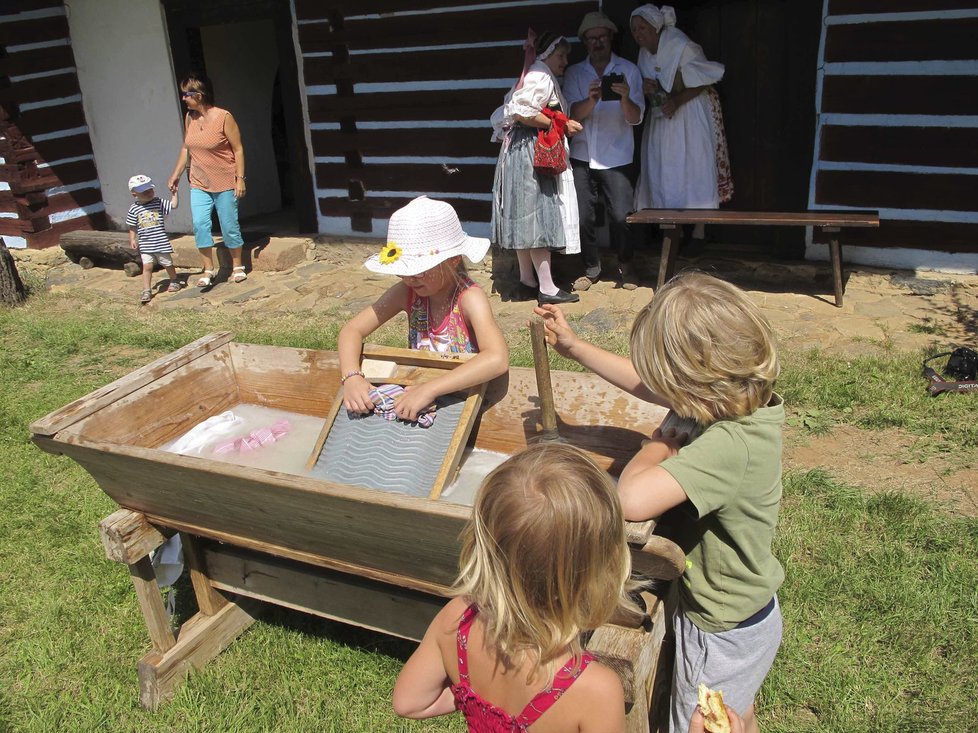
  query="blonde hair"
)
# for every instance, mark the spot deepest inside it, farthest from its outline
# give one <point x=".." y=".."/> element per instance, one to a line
<point x="544" y="555"/>
<point x="705" y="346"/>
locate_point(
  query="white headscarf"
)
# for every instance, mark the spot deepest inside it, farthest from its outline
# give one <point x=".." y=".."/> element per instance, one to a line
<point x="666" y="16"/>
<point x="548" y="51"/>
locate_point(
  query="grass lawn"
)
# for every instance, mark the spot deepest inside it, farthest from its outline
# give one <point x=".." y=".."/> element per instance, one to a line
<point x="880" y="600"/>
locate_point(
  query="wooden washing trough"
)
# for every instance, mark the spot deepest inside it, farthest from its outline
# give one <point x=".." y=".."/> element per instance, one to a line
<point x="375" y="559"/>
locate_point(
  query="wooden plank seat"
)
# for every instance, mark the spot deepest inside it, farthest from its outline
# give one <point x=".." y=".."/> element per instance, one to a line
<point x="830" y="222"/>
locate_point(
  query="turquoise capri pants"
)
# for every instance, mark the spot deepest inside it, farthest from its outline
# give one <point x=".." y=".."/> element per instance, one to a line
<point x="202" y="203"/>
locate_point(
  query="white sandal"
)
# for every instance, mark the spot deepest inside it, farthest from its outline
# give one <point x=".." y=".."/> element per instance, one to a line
<point x="238" y="274"/>
<point x="205" y="279"/>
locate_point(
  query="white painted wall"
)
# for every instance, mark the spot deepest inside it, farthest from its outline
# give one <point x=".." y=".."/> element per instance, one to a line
<point x="242" y="60"/>
<point x="130" y="98"/>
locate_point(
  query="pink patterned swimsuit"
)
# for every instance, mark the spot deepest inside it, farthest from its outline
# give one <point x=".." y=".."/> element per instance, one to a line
<point x="451" y="335"/>
<point x="484" y="717"/>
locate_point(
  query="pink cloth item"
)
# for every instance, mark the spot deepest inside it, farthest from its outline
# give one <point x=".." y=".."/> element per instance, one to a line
<point x="255" y="439"/>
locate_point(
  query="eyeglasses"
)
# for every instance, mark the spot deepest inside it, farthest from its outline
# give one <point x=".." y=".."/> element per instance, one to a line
<point x="603" y="38"/>
<point x="185" y="95"/>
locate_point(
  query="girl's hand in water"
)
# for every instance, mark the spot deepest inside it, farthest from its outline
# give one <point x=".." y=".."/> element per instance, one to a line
<point x="413" y="401"/>
<point x="356" y="395"/>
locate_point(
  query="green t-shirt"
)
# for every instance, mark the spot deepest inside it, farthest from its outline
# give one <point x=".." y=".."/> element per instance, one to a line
<point x="732" y="476"/>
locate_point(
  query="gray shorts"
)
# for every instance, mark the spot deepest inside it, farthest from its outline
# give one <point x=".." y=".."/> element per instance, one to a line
<point x="734" y="662"/>
<point x="164" y="258"/>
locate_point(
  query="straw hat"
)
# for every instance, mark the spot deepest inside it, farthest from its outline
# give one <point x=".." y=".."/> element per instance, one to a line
<point x="595" y="19"/>
<point x="424" y="234"/>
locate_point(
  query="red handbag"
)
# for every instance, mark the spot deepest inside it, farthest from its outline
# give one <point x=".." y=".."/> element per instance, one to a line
<point x="549" y="153"/>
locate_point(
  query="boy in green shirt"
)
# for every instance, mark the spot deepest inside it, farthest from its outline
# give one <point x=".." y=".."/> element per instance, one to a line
<point x="703" y="349"/>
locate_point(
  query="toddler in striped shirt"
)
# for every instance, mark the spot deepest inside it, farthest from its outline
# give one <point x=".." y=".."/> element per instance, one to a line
<point x="146" y="232"/>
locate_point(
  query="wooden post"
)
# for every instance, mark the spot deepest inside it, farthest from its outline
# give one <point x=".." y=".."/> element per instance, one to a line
<point x="201" y="639"/>
<point x="672" y="235"/>
<point x="128" y="538"/>
<point x="541" y="365"/>
<point x="835" y="253"/>
<point x="151" y="603"/>
<point x="635" y="655"/>
<point x="209" y="600"/>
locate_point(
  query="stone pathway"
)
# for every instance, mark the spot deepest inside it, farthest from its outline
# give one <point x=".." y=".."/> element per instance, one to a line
<point x="298" y="275"/>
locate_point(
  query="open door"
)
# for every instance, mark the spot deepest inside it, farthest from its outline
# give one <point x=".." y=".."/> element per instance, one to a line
<point x="247" y="51"/>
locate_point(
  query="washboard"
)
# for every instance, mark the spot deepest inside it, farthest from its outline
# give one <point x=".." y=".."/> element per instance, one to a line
<point x="392" y="455"/>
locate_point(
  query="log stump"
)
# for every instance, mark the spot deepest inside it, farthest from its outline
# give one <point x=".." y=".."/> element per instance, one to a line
<point x="12" y="290"/>
<point x="102" y="249"/>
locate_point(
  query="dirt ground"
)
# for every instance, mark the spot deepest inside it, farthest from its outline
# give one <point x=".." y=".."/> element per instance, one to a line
<point x="888" y="460"/>
<point x="883" y="309"/>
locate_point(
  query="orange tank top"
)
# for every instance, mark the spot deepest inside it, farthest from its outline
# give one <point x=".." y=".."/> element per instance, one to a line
<point x="211" y="156"/>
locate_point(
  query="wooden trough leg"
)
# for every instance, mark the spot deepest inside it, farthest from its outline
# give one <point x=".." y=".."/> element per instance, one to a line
<point x="209" y="600"/>
<point x="128" y="538"/>
<point x="672" y="235"/>
<point x="201" y="639"/>
<point x="835" y="254"/>
<point x="635" y="654"/>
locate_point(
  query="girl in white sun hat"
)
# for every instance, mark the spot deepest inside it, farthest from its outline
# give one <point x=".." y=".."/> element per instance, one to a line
<point x="447" y="311"/>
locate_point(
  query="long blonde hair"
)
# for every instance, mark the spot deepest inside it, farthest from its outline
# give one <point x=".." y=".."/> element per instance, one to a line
<point x="544" y="555"/>
<point x="706" y="347"/>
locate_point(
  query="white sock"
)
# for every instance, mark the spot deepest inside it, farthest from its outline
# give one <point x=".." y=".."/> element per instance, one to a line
<point x="541" y="262"/>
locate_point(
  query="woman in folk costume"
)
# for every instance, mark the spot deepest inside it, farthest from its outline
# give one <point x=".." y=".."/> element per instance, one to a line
<point x="533" y="213"/>
<point x="684" y="150"/>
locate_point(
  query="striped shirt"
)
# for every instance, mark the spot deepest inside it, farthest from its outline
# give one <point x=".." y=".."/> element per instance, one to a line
<point x="147" y="219"/>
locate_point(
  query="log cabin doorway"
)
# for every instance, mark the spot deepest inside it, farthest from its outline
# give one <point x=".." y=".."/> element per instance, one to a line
<point x="770" y="50"/>
<point x="247" y="50"/>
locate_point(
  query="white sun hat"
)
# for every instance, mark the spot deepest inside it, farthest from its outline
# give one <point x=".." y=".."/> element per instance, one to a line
<point x="422" y="235"/>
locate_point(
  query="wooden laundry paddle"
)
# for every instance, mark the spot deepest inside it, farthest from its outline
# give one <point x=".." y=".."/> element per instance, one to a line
<point x="541" y="365"/>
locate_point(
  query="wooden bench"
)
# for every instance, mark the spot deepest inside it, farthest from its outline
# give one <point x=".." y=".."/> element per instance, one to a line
<point x="830" y="222"/>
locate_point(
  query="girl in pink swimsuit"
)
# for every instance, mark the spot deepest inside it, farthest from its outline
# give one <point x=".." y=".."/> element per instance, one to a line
<point x="446" y="310"/>
<point x="543" y="559"/>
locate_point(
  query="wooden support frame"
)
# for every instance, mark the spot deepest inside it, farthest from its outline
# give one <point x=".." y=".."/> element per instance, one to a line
<point x="636" y="655"/>
<point x="829" y="222"/>
<point x="128" y="538"/>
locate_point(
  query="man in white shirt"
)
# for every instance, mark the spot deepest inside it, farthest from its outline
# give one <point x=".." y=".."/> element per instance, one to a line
<point x="605" y="95"/>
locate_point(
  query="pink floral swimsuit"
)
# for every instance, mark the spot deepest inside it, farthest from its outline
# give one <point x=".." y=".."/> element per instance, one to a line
<point x="451" y="335"/>
<point x="484" y="717"/>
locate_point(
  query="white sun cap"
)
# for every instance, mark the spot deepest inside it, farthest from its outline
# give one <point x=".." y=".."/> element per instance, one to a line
<point x="139" y="183"/>
<point x="422" y="235"/>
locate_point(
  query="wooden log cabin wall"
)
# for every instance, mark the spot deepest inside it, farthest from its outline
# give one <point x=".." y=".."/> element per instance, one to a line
<point x="399" y="98"/>
<point x="48" y="181"/>
<point x="399" y="95"/>
<point x="898" y="121"/>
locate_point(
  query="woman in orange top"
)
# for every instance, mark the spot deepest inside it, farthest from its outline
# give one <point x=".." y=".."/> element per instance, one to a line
<point x="213" y="152"/>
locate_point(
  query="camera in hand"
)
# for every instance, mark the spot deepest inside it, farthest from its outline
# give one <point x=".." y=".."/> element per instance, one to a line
<point x="607" y="94"/>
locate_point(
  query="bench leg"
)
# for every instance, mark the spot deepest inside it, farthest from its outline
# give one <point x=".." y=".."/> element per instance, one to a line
<point x="835" y="254"/>
<point x="671" y="237"/>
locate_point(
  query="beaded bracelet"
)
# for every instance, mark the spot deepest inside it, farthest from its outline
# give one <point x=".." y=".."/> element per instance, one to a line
<point x="357" y="373"/>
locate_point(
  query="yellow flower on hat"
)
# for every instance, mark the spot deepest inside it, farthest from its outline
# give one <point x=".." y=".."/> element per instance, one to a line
<point x="389" y="253"/>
